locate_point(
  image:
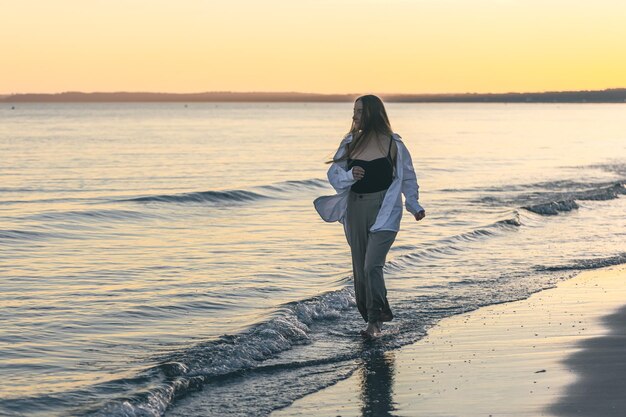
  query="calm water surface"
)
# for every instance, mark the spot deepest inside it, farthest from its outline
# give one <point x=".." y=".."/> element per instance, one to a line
<point x="163" y="259"/>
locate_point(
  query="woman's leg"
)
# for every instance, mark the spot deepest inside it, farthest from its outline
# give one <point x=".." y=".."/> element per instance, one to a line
<point x="356" y="234"/>
<point x="378" y="246"/>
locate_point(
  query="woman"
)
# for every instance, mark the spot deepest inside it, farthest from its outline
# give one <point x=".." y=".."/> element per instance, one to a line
<point x="370" y="171"/>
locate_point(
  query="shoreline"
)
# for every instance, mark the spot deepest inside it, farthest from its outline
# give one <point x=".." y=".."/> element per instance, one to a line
<point x="560" y="352"/>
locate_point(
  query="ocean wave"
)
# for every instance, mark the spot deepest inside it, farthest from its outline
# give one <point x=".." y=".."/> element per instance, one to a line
<point x="47" y="200"/>
<point x="19" y="190"/>
<point x="181" y="372"/>
<point x="603" y="193"/>
<point x="295" y="185"/>
<point x="73" y="220"/>
<point x="544" y="185"/>
<point x="582" y="264"/>
<point x="566" y="201"/>
<point x="291" y="326"/>
<point x="617" y="168"/>
<point x="553" y="207"/>
<point x="452" y="245"/>
<point x="90" y="215"/>
<point x="551" y="197"/>
<point x="13" y="235"/>
<point x="234" y="196"/>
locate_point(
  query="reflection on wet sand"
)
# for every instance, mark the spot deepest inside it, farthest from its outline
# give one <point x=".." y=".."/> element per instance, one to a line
<point x="376" y="381"/>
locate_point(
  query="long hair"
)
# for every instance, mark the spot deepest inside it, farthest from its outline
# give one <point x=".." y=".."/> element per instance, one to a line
<point x="374" y="121"/>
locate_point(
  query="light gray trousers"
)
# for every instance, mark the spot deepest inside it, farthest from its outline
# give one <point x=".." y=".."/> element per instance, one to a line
<point x="369" y="251"/>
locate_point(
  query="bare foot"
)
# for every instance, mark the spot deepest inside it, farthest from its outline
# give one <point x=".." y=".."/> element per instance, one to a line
<point x="372" y="331"/>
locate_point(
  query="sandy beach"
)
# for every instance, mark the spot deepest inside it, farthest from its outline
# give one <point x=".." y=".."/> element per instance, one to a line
<point x="560" y="352"/>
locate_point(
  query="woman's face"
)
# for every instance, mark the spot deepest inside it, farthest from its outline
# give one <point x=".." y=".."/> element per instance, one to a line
<point x="358" y="110"/>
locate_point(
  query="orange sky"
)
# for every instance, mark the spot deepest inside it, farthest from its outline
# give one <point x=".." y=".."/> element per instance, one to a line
<point x="323" y="46"/>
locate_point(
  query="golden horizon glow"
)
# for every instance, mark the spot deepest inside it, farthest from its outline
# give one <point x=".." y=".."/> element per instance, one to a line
<point x="312" y="46"/>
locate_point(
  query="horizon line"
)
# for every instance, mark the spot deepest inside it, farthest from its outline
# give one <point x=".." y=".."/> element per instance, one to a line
<point x="614" y="95"/>
<point x="313" y="93"/>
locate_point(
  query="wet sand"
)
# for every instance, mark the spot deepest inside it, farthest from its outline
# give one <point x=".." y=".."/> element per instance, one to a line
<point x="561" y="352"/>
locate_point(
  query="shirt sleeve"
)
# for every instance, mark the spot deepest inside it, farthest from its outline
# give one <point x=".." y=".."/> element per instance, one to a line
<point x="410" y="187"/>
<point x="340" y="178"/>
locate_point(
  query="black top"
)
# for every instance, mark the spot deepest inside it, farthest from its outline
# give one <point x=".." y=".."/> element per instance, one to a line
<point x="378" y="173"/>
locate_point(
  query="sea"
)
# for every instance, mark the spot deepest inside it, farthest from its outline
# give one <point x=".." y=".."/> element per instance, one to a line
<point x="165" y="259"/>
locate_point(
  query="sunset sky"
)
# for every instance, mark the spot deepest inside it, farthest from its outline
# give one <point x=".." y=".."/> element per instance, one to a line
<point x="319" y="46"/>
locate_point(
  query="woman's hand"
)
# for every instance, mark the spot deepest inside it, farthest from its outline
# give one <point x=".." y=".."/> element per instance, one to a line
<point x="358" y="172"/>
<point x="420" y="215"/>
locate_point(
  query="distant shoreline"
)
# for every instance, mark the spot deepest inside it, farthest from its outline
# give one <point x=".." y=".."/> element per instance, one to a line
<point x="615" y="95"/>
